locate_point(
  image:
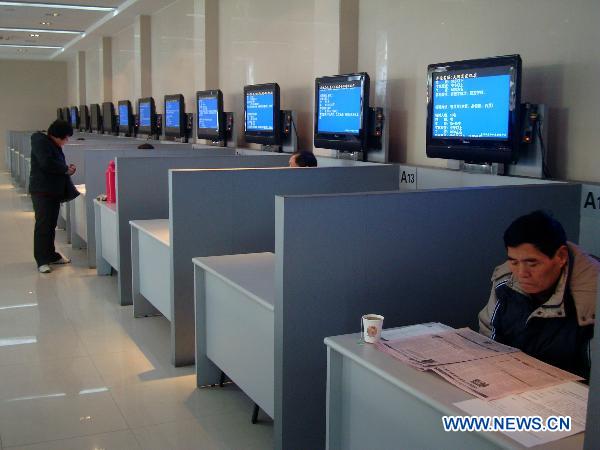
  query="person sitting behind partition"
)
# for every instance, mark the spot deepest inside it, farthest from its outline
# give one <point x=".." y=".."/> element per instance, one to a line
<point x="303" y="159"/>
<point x="543" y="298"/>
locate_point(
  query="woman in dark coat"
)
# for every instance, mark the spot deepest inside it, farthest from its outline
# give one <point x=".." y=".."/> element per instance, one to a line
<point x="49" y="184"/>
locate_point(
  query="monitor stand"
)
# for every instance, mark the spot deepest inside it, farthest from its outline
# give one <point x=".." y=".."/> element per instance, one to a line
<point x="482" y="168"/>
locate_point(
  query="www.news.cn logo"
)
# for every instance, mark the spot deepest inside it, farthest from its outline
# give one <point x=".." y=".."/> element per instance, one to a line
<point x="506" y="423"/>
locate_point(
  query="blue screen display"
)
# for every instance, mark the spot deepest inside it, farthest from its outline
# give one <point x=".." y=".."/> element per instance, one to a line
<point x="73" y="118"/>
<point x="259" y="111"/>
<point x="340" y="108"/>
<point x="471" y="106"/>
<point x="145" y="114"/>
<point x="123" y="115"/>
<point x="208" y="113"/>
<point x="172" y="113"/>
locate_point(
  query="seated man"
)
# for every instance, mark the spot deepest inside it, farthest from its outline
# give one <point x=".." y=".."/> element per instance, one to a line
<point x="543" y="298"/>
<point x="303" y="159"/>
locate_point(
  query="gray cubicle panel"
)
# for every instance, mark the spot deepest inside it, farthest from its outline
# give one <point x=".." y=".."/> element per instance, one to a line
<point x="412" y="256"/>
<point x="224" y="212"/>
<point x="592" y="426"/>
<point x="95" y="182"/>
<point x="136" y="202"/>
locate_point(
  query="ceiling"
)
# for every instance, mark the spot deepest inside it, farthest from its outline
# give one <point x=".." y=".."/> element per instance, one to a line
<point x="87" y="25"/>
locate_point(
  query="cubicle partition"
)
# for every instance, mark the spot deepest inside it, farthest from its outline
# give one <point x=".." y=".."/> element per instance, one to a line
<point x="135" y="201"/>
<point x="592" y="432"/>
<point x="95" y="182"/>
<point x="219" y="212"/>
<point x="412" y="257"/>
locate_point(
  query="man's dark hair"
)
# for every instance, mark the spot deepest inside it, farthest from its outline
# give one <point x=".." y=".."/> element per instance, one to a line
<point x="60" y="129"/>
<point x="539" y="229"/>
<point x="305" y="159"/>
<point x="145" y="146"/>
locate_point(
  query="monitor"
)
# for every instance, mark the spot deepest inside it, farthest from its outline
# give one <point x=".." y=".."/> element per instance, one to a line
<point x="126" y="124"/>
<point x="66" y="114"/>
<point x="74" y="117"/>
<point x="341" y="111"/>
<point x="109" y="120"/>
<point x="262" y="114"/>
<point x="473" y="109"/>
<point x="84" y="118"/>
<point x="174" y="112"/>
<point x="146" y="116"/>
<point x="211" y="121"/>
<point x="59" y="113"/>
<point x="96" y="118"/>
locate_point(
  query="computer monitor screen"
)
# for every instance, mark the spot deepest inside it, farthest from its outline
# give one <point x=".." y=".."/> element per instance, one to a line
<point x="262" y="114"/>
<point x="473" y="109"/>
<point x="174" y="115"/>
<point x="341" y="112"/>
<point x="210" y="114"/>
<point x="125" y="117"/>
<point x="108" y="117"/>
<point x="74" y="117"/>
<point x="96" y="117"/>
<point x="146" y="116"/>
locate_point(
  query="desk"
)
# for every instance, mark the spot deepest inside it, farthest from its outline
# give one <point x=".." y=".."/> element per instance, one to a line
<point x="78" y="219"/>
<point x="151" y="268"/>
<point x="105" y="217"/>
<point x="234" y="296"/>
<point x="376" y="402"/>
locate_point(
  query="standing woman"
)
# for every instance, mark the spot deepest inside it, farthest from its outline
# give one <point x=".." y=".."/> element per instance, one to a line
<point x="49" y="184"/>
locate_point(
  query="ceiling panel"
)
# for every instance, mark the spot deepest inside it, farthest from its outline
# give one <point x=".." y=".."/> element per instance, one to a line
<point x="25" y="17"/>
<point x="33" y="53"/>
<point x="34" y="38"/>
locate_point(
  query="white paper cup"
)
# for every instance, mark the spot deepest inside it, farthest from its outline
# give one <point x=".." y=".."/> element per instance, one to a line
<point x="371" y="325"/>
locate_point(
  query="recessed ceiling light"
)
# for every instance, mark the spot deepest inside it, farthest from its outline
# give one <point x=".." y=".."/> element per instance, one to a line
<point x="58" y="6"/>
<point x="34" y="35"/>
<point x="45" y="23"/>
<point x="52" y="14"/>
<point x="37" y="30"/>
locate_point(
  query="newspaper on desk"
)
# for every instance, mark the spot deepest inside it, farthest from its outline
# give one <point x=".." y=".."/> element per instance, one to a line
<point x="475" y="363"/>
<point x="567" y="399"/>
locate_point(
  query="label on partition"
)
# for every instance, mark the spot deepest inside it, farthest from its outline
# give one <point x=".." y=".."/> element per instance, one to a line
<point x="408" y="178"/>
<point x="590" y="200"/>
<point x="589" y="238"/>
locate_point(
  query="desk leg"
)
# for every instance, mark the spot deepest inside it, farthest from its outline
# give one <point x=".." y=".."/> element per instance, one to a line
<point x="207" y="372"/>
<point x="141" y="306"/>
<point x="334" y="398"/>
<point x="102" y="266"/>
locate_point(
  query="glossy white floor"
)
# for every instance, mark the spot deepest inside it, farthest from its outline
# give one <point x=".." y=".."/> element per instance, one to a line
<point x="78" y="372"/>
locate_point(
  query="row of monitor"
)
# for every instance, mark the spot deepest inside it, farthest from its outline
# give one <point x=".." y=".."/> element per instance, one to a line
<point x="473" y="111"/>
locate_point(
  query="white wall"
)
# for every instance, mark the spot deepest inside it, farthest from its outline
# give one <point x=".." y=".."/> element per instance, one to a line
<point x="173" y="56"/>
<point x="557" y="40"/>
<point x="285" y="41"/>
<point x="93" y="75"/>
<point x="30" y="92"/>
<point x="126" y="85"/>
<point x="72" y="82"/>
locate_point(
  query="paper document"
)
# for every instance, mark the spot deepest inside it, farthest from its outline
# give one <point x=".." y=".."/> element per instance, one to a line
<point x="432" y="350"/>
<point x="567" y="399"/>
<point x="503" y="375"/>
<point x="414" y="330"/>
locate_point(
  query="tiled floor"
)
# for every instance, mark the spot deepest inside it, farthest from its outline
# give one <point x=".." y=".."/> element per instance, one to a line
<point x="78" y="372"/>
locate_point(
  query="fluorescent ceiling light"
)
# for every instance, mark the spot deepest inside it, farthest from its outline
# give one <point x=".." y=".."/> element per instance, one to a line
<point x="40" y="30"/>
<point x="6" y="342"/>
<point x="29" y="46"/>
<point x="58" y="6"/>
<point x="36" y="397"/>
<point x="22" y="305"/>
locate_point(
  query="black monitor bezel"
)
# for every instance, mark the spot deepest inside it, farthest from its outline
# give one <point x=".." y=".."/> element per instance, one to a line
<point x="347" y="142"/>
<point x="127" y="129"/>
<point x="112" y="117"/>
<point x="77" y="119"/>
<point x="66" y="113"/>
<point x="176" y="132"/>
<point x="211" y="133"/>
<point x="152" y="128"/>
<point x="84" y="118"/>
<point x="95" y="107"/>
<point x="265" y="137"/>
<point x="477" y="150"/>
